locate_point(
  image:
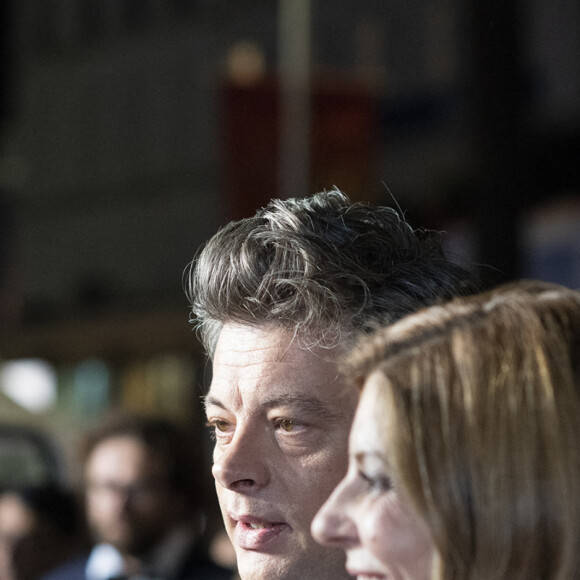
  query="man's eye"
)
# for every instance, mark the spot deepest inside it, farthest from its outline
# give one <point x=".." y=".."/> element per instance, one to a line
<point x="287" y="425"/>
<point x="218" y="425"/>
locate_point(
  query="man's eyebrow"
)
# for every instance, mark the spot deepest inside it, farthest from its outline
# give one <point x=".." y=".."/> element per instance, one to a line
<point x="209" y="401"/>
<point x="303" y="403"/>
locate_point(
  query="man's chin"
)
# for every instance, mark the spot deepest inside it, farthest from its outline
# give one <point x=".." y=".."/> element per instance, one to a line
<point x="261" y="566"/>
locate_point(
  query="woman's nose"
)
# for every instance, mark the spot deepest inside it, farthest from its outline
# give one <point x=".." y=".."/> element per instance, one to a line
<point x="333" y="525"/>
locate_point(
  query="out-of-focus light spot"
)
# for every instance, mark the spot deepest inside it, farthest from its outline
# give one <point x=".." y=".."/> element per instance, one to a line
<point x="31" y="383"/>
<point x="91" y="387"/>
<point x="246" y="64"/>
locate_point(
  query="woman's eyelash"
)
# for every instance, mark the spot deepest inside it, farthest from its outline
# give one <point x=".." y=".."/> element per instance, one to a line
<point x="382" y="482"/>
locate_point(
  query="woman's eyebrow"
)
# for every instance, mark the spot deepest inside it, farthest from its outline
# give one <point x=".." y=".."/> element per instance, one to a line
<point x="361" y="456"/>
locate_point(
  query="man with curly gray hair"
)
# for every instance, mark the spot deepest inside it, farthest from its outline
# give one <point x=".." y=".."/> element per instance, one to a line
<point x="277" y="299"/>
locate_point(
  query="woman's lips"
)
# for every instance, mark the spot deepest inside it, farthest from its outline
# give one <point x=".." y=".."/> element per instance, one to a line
<point x="252" y="533"/>
<point x="366" y="575"/>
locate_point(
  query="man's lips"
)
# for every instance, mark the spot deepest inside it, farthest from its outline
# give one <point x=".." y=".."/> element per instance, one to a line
<point x="253" y="533"/>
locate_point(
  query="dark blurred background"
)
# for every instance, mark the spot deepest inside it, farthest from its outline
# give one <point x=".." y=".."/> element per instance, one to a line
<point x="131" y="129"/>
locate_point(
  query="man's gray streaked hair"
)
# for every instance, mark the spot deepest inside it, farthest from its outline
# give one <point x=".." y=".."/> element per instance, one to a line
<point x="322" y="267"/>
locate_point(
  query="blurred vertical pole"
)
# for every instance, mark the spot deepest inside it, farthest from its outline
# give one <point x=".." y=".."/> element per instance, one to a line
<point x="496" y="93"/>
<point x="7" y="312"/>
<point x="294" y="83"/>
<point x="6" y="61"/>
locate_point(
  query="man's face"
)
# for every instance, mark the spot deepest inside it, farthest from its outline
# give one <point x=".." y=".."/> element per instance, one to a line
<point x="281" y="418"/>
<point x="30" y="544"/>
<point x="129" y="503"/>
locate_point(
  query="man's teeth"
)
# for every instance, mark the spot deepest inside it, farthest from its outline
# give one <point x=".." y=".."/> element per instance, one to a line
<point x="257" y="526"/>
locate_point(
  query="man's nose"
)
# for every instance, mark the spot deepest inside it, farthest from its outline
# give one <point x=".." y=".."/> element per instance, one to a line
<point x="243" y="463"/>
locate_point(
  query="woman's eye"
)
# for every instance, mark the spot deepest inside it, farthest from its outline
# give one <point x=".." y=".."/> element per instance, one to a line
<point x="379" y="483"/>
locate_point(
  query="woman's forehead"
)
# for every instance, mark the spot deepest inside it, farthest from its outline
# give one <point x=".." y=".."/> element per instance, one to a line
<point x="369" y="426"/>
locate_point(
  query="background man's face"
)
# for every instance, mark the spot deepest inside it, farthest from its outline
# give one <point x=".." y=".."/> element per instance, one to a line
<point x="129" y="503"/>
<point x="29" y="545"/>
<point x="281" y="418"/>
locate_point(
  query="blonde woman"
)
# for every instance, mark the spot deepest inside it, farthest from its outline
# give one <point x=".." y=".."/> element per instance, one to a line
<point x="465" y="450"/>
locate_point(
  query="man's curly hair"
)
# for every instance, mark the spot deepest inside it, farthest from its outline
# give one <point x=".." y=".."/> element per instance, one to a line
<point x="322" y="267"/>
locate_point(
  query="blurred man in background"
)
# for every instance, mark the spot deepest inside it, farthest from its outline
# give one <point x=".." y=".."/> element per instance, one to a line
<point x="40" y="528"/>
<point x="144" y="502"/>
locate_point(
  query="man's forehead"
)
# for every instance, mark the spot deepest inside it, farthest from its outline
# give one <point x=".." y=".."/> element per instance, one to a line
<point x="124" y="455"/>
<point x="240" y="345"/>
<point x="277" y="389"/>
<point x="16" y="517"/>
<point x="264" y="367"/>
<point x="300" y="403"/>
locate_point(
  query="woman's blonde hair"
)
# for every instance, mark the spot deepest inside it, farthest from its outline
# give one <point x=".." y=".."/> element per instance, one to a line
<point x="482" y="428"/>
